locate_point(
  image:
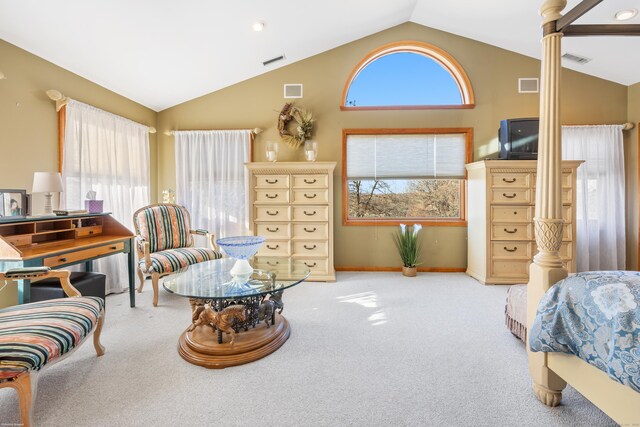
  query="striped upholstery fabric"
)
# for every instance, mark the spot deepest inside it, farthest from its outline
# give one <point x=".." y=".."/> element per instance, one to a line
<point x="172" y="260"/>
<point x="164" y="227"/>
<point x="31" y="335"/>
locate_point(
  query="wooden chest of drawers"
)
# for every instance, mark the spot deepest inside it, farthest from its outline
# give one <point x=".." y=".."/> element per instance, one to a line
<point x="501" y="206"/>
<point x="292" y="206"/>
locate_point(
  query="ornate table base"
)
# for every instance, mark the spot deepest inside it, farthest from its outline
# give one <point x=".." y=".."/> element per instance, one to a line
<point x="201" y="347"/>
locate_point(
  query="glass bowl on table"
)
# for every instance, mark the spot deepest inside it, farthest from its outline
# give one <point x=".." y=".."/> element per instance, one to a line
<point x="241" y="248"/>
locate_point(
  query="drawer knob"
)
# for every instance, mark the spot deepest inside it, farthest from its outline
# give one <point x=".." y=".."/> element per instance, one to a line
<point x="511" y="231"/>
<point x="275" y="181"/>
<point x="273" y="213"/>
<point x="273" y="248"/>
<point x="91" y="232"/>
<point x="273" y="262"/>
<point x="271" y="197"/>
<point x="62" y="260"/>
<point x="274" y="230"/>
<point x="113" y="248"/>
<point x="509" y="181"/>
<point x="310" y="197"/>
<point x="310" y="214"/>
<point x="509" y="197"/>
<point x="310" y="248"/>
<point x="515" y="212"/>
<point x="310" y="181"/>
<point x="510" y="250"/>
<point x="309" y="231"/>
<point x="311" y="265"/>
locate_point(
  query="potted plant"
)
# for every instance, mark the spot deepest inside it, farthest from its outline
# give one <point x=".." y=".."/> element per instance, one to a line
<point x="406" y="240"/>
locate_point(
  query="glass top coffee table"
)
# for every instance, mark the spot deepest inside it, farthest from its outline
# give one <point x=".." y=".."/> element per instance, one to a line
<point x="233" y="321"/>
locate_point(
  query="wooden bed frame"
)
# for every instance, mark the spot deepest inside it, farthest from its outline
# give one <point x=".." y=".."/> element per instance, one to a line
<point x="550" y="372"/>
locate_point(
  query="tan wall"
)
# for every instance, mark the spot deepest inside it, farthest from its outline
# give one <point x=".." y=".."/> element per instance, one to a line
<point x="631" y="169"/>
<point x="29" y="122"/>
<point x="493" y="73"/>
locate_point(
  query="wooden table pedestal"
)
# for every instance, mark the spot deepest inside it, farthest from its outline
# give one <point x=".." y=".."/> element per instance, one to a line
<point x="201" y="347"/>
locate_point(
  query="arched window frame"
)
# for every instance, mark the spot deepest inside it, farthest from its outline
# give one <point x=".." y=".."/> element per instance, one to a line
<point x="445" y="60"/>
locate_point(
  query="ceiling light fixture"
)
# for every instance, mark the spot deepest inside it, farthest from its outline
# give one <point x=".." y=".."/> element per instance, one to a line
<point x="258" y="26"/>
<point x="625" y="15"/>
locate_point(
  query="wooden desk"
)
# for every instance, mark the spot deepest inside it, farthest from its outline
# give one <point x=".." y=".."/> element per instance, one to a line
<point x="61" y="241"/>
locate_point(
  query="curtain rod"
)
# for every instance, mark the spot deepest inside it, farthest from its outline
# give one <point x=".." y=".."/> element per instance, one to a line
<point x="254" y="131"/>
<point x="61" y="101"/>
<point x="625" y="126"/>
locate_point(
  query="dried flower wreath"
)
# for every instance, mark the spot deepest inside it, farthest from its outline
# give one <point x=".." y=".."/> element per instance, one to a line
<point x="303" y="131"/>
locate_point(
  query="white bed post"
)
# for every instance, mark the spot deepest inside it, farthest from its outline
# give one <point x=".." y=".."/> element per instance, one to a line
<point x="547" y="267"/>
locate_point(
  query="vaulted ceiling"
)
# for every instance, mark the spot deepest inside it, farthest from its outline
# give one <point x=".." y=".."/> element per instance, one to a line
<point x="161" y="53"/>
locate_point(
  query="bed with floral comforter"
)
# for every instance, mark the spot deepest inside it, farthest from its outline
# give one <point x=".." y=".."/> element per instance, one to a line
<point x="594" y="315"/>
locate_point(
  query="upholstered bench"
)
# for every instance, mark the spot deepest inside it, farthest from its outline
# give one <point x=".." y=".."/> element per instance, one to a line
<point x="88" y="284"/>
<point x="36" y="335"/>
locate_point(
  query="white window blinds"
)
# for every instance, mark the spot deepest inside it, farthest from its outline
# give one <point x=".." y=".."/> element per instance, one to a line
<point x="413" y="156"/>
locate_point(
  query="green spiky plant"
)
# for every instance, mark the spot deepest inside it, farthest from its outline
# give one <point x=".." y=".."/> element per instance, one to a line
<point x="406" y="240"/>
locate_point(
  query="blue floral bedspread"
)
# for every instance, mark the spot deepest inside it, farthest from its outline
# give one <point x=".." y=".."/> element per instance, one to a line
<point x="594" y="315"/>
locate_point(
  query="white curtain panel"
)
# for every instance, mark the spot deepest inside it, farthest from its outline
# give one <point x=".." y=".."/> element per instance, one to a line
<point x="600" y="202"/>
<point x="212" y="181"/>
<point x="107" y="154"/>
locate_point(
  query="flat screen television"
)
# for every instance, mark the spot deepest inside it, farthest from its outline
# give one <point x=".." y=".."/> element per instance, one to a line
<point x="519" y="139"/>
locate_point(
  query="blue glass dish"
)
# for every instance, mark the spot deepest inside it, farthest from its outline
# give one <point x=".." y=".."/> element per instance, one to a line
<point x="240" y="247"/>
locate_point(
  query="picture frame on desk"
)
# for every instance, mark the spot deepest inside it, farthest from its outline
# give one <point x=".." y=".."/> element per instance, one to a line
<point x="13" y="204"/>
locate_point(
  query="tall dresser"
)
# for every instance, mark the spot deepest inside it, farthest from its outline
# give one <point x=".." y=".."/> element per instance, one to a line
<point x="292" y="206"/>
<point x="500" y="204"/>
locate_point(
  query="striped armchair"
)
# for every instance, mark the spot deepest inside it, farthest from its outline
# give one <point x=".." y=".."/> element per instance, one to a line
<point x="164" y="243"/>
<point x="36" y="335"/>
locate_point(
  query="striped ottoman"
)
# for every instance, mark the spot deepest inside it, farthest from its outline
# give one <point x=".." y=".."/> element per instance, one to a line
<point x="32" y="335"/>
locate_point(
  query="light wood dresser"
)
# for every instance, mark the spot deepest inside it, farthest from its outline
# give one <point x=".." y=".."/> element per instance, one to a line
<point x="501" y="206"/>
<point x="292" y="206"/>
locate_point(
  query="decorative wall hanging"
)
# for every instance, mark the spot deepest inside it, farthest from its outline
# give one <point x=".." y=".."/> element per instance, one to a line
<point x="303" y="131"/>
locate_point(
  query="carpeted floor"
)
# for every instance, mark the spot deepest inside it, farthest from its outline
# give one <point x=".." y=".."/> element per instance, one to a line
<point x="372" y="349"/>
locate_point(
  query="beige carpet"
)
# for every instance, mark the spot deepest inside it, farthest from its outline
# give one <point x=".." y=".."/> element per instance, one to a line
<point x="373" y="349"/>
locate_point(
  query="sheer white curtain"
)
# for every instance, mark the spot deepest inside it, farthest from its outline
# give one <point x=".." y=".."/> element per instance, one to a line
<point x="600" y="202"/>
<point x="107" y="154"/>
<point x="212" y="182"/>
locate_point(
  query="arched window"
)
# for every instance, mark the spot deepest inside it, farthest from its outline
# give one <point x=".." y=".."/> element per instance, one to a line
<point x="407" y="75"/>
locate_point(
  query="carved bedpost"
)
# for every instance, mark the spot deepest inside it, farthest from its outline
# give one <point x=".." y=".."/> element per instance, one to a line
<point x="547" y="267"/>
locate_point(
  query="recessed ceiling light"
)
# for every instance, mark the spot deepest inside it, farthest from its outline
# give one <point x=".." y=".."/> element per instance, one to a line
<point x="624" y="15"/>
<point x="258" y="26"/>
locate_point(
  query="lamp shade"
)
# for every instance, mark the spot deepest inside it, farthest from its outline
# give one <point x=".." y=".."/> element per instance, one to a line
<point x="47" y="182"/>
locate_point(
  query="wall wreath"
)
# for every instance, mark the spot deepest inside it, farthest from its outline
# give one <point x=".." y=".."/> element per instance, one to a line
<point x="303" y="130"/>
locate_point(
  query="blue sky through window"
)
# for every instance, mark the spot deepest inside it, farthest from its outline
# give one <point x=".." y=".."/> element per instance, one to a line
<point x="403" y="78"/>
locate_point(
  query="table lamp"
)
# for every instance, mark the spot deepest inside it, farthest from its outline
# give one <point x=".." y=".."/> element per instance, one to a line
<point x="47" y="183"/>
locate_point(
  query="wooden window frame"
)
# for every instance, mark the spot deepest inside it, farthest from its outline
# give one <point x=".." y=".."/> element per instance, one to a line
<point x="457" y="222"/>
<point x="62" y="123"/>
<point x="441" y="57"/>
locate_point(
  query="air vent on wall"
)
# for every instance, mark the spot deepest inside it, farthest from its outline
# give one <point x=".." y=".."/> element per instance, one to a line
<point x="293" y="90"/>
<point x="272" y="60"/>
<point x="576" y="58"/>
<point x="528" y="85"/>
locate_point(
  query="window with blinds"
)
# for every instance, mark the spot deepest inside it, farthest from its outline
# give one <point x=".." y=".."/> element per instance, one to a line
<point x="399" y="175"/>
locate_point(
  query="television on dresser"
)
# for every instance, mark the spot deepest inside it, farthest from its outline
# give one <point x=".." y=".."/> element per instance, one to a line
<point x="519" y="139"/>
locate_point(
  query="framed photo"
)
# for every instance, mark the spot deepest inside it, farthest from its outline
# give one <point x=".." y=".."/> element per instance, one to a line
<point x="13" y="204"/>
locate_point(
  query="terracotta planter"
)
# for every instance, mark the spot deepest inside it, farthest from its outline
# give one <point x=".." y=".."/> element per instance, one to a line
<point x="409" y="271"/>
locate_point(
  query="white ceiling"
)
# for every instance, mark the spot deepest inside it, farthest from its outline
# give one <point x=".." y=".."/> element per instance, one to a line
<point x="164" y="52"/>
